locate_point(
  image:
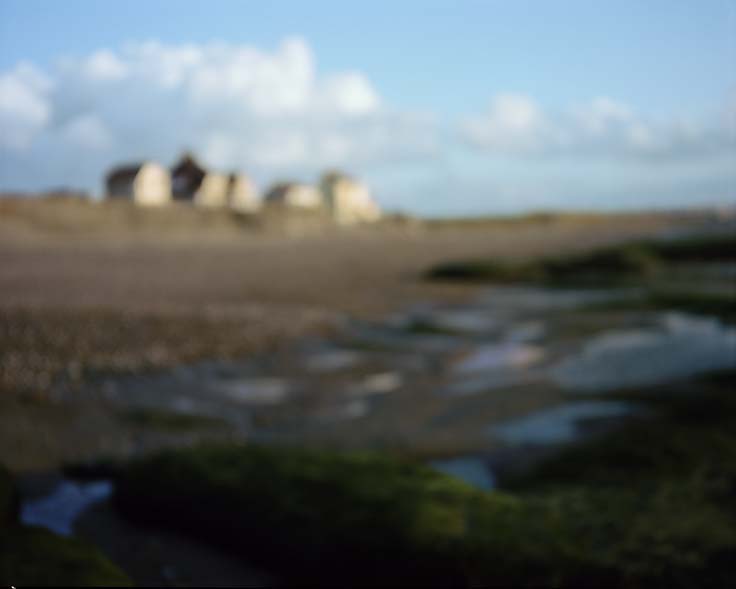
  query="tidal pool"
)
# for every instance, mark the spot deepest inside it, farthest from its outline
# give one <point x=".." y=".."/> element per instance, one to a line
<point x="559" y="424"/>
<point x="469" y="320"/>
<point x="679" y="347"/>
<point x="470" y="469"/>
<point x="261" y="390"/>
<point x="331" y="360"/>
<point x="59" y="510"/>
<point x="508" y="354"/>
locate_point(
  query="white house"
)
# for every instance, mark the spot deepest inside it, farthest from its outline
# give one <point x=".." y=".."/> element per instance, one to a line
<point x="146" y="184"/>
<point x="348" y="200"/>
<point x="242" y="194"/>
<point x="294" y="195"/>
<point x="210" y="189"/>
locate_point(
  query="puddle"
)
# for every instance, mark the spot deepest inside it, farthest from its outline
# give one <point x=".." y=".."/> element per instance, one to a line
<point x="331" y="360"/>
<point x="541" y="299"/>
<point x="379" y="384"/>
<point x="508" y="354"/>
<point x="254" y="390"/>
<point x="469" y="469"/>
<point x="471" y="321"/>
<point x="59" y="510"/>
<point x="560" y="424"/>
<point x="486" y="382"/>
<point x="682" y="346"/>
<point x="524" y="333"/>
<point x="353" y="409"/>
<point x="398" y="340"/>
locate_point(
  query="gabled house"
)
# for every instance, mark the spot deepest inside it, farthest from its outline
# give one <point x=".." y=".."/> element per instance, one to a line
<point x="347" y="200"/>
<point x="205" y="188"/>
<point x="292" y="195"/>
<point x="146" y="184"/>
<point x="186" y="178"/>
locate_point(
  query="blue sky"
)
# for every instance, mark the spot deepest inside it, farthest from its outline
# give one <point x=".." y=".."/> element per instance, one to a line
<point x="443" y="107"/>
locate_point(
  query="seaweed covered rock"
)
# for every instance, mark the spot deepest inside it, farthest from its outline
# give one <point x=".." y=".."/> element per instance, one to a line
<point x="327" y="518"/>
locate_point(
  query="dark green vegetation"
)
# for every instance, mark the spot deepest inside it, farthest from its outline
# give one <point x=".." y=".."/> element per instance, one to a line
<point x="33" y="556"/>
<point x="649" y="505"/>
<point x="169" y="421"/>
<point x="655" y="502"/>
<point x="636" y="260"/>
<point x="343" y="519"/>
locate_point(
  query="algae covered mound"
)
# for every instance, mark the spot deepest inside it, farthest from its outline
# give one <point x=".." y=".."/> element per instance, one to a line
<point x="653" y="502"/>
<point x="34" y="556"/>
<point x="635" y="260"/>
<point x="649" y="505"/>
<point x="328" y="518"/>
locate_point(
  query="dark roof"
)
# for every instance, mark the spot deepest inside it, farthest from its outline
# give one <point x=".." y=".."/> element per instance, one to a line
<point x="126" y="172"/>
<point x="186" y="177"/>
<point x="279" y="190"/>
<point x="189" y="168"/>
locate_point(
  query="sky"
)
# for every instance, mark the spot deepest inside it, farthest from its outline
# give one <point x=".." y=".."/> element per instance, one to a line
<point x="443" y="108"/>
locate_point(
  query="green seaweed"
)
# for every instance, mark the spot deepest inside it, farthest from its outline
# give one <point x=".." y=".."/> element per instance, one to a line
<point x="648" y="505"/>
<point x="34" y="556"/>
<point x="605" y="266"/>
<point x="326" y="518"/>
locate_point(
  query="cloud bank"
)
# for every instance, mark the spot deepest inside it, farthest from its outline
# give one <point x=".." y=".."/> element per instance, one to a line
<point x="516" y="125"/>
<point x="235" y="105"/>
<point x="274" y="114"/>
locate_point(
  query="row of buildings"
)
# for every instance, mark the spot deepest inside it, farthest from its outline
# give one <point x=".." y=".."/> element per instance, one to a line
<point x="345" y="199"/>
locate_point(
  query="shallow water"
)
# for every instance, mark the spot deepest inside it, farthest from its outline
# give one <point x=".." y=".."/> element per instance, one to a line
<point x="559" y="424"/>
<point x="497" y="356"/>
<point x="331" y="360"/>
<point x="254" y="390"/>
<point x="59" y="510"/>
<point x="547" y="299"/>
<point x="470" y="469"/>
<point x="378" y="384"/>
<point x="469" y="320"/>
<point x="679" y="347"/>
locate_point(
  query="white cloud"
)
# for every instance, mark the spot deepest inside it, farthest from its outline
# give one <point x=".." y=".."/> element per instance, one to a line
<point x="24" y="106"/>
<point x="269" y="112"/>
<point x="88" y="132"/>
<point x="516" y="125"/>
<point x="104" y="65"/>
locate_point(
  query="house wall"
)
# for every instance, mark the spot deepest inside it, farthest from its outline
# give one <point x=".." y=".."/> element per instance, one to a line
<point x="152" y="185"/>
<point x="243" y="195"/>
<point x="120" y="188"/>
<point x="301" y="196"/>
<point x="213" y="191"/>
<point x="350" y="202"/>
